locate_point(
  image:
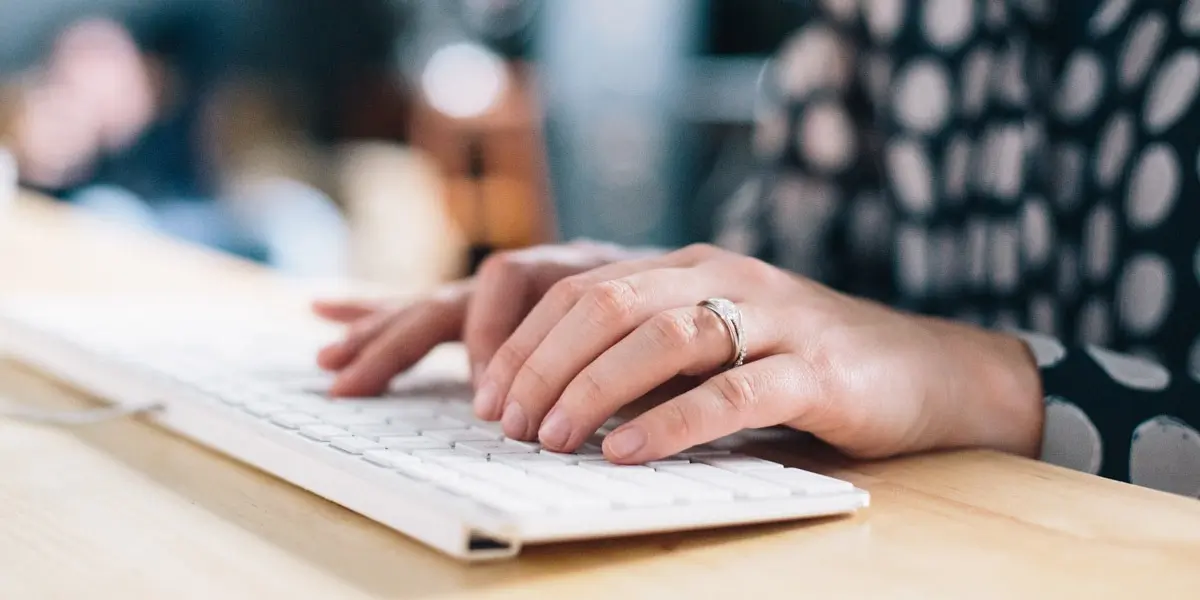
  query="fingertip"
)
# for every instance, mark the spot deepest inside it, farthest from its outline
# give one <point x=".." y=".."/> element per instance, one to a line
<point x="556" y="431"/>
<point x="514" y="421"/>
<point x="332" y="356"/>
<point x="350" y="385"/>
<point x="626" y="445"/>
<point x="487" y="401"/>
<point x="324" y="306"/>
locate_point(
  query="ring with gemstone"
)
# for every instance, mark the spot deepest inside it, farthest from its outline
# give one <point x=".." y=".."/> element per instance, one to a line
<point x="731" y="316"/>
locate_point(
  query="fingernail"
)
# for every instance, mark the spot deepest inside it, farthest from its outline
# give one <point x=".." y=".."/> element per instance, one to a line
<point x="556" y="430"/>
<point x="624" y="442"/>
<point x="487" y="401"/>
<point x="515" y="424"/>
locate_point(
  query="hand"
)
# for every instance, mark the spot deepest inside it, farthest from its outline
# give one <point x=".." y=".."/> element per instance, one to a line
<point x="384" y="339"/>
<point x="869" y="380"/>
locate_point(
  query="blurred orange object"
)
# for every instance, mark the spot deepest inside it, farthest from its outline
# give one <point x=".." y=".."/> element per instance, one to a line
<point x="508" y="206"/>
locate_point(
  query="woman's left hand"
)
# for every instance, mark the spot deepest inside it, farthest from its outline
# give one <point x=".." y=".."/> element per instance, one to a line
<point x="867" y="379"/>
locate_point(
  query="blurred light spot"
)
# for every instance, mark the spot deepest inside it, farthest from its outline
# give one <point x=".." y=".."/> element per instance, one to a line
<point x="463" y="80"/>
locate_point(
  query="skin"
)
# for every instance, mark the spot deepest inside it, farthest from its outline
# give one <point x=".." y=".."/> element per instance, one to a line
<point x="562" y="337"/>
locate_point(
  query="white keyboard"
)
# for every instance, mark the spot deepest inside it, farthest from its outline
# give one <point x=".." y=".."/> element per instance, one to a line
<point x="416" y="460"/>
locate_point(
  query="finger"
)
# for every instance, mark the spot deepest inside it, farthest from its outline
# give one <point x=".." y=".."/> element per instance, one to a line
<point x="503" y="293"/>
<point x="506" y="361"/>
<point x="337" y="355"/>
<point x="345" y="311"/>
<point x="759" y="394"/>
<point x="406" y="340"/>
<point x="683" y="341"/>
<point x="604" y="315"/>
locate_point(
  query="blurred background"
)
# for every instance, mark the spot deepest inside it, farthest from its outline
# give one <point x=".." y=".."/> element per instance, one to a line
<point x="387" y="140"/>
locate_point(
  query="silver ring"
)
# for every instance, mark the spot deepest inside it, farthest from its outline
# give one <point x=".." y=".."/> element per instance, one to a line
<point x="731" y="316"/>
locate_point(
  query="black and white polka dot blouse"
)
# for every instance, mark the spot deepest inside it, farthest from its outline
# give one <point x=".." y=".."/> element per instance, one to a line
<point x="1032" y="165"/>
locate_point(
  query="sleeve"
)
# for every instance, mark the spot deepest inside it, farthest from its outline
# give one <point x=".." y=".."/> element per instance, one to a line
<point x="1119" y="416"/>
<point x="813" y="205"/>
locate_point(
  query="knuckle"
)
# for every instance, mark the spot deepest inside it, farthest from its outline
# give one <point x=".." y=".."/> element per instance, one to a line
<point x="677" y="422"/>
<point x="759" y="271"/>
<point x="591" y="390"/>
<point x="569" y="290"/>
<point x="531" y="375"/>
<point x="508" y="358"/>
<point x="613" y="300"/>
<point x="700" y="251"/>
<point x="736" y="392"/>
<point x="674" y="329"/>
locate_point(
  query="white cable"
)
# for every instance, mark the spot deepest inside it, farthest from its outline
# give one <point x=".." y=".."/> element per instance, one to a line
<point x="74" y="418"/>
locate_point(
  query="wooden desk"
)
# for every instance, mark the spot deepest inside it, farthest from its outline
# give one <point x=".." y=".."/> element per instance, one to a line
<point x="127" y="510"/>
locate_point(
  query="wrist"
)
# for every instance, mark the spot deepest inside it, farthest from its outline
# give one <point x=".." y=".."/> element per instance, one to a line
<point x="999" y="392"/>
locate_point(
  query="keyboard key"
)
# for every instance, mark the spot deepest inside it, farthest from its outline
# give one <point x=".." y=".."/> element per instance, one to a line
<point x="385" y="402"/>
<point x="609" y="469"/>
<point x="738" y="463"/>
<point x="589" y="450"/>
<point x="741" y="485"/>
<point x="240" y="398"/>
<point x="391" y="407"/>
<point x="447" y="456"/>
<point x="352" y="419"/>
<point x="695" y="454"/>
<point x="619" y="492"/>
<point x="553" y="494"/>
<point x="426" y="471"/>
<point x="493" y="495"/>
<point x="262" y="409"/>
<point x="489" y="471"/>
<point x="497" y="447"/>
<point x="530" y="446"/>
<point x="492" y="426"/>
<point x="668" y="462"/>
<point x="562" y="497"/>
<point x="396" y="411"/>
<point x="354" y="445"/>
<point x="802" y="482"/>
<point x="410" y="443"/>
<point x="375" y="432"/>
<point x="524" y="461"/>
<point x="412" y="401"/>
<point x="686" y="490"/>
<point x="572" y="458"/>
<point x="458" y="410"/>
<point x="293" y="420"/>
<point x="323" y="433"/>
<point x="322" y="408"/>
<point x="301" y="400"/>
<point x="424" y="424"/>
<point x="390" y="458"/>
<point x="452" y="436"/>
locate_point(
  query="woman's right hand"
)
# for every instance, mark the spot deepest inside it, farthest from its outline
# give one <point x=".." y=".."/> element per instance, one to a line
<point x="383" y="340"/>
